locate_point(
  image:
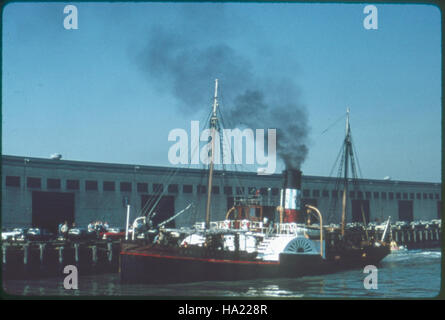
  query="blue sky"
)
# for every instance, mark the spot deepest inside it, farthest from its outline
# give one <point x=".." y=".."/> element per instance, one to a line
<point x="89" y="94"/>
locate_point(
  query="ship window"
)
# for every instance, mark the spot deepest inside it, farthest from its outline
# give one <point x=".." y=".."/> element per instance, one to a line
<point x="125" y="186"/>
<point x="72" y="184"/>
<point x="275" y="191"/>
<point x="142" y="187"/>
<point x="215" y="189"/>
<point x="405" y="195"/>
<point x="239" y="191"/>
<point x="325" y="193"/>
<point x="173" y="188"/>
<point x="383" y="195"/>
<point x="316" y="193"/>
<point x="187" y="188"/>
<point x="90" y="185"/>
<point x="34" y="183"/>
<point x="228" y="190"/>
<point x="376" y="195"/>
<point x="391" y="195"/>
<point x="53" y="183"/>
<point x="418" y="196"/>
<point x="158" y="187"/>
<point x="12" y="181"/>
<point x="306" y="193"/>
<point x="109" y="186"/>
<point x="411" y="196"/>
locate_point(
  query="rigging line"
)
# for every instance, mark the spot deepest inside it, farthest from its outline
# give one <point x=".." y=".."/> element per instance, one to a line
<point x="173" y="173"/>
<point x="330" y="126"/>
<point x="237" y="181"/>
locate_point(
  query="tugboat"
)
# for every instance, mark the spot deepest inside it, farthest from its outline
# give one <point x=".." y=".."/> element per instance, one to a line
<point x="245" y="245"/>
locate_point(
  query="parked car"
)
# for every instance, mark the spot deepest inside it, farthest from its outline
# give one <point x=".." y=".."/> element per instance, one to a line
<point x="81" y="234"/>
<point x="114" y="234"/>
<point x="9" y="234"/>
<point x="37" y="234"/>
<point x="20" y="234"/>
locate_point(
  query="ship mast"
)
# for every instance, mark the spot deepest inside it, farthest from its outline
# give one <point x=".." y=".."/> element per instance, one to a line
<point x="213" y="128"/>
<point x="347" y="146"/>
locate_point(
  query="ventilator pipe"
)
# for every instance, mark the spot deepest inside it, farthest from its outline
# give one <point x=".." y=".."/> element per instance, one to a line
<point x="321" y="226"/>
<point x="229" y="212"/>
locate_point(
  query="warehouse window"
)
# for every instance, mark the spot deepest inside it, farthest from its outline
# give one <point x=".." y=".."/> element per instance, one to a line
<point x="306" y="193"/>
<point x="431" y="196"/>
<point x="359" y="195"/>
<point x="158" y="187"/>
<point x="228" y="190"/>
<point x="325" y="193"/>
<point x="12" y="181"/>
<point x="109" y="186"/>
<point x="34" y="183"/>
<point x="411" y="196"/>
<point x="418" y="196"/>
<point x="391" y="195"/>
<point x="275" y="191"/>
<point x="187" y="188"/>
<point x="91" y="185"/>
<point x="173" y="188"/>
<point x="239" y="190"/>
<point x="405" y="195"/>
<point x="334" y="193"/>
<point x="72" y="184"/>
<point x="53" y="183"/>
<point x="425" y="196"/>
<point x="398" y="195"/>
<point x="142" y="187"/>
<point x="352" y="194"/>
<point x="125" y="186"/>
<point x="316" y="193"/>
<point x="215" y="190"/>
<point x="376" y="195"/>
<point x="384" y="195"/>
<point x="437" y="196"/>
<point x="201" y="188"/>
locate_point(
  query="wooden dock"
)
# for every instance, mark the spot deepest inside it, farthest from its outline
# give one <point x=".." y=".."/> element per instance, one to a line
<point x="30" y="260"/>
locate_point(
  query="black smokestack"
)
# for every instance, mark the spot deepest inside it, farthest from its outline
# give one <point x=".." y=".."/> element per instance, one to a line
<point x="291" y="195"/>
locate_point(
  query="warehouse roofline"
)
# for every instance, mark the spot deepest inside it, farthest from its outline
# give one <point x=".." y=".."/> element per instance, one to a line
<point x="130" y="168"/>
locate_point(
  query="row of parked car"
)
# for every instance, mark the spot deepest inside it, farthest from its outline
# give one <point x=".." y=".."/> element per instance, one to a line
<point x="38" y="234"/>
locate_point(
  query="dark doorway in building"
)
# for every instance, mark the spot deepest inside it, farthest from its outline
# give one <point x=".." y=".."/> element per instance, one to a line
<point x="439" y="209"/>
<point x="406" y="210"/>
<point x="164" y="208"/>
<point x="357" y="213"/>
<point x="49" y="209"/>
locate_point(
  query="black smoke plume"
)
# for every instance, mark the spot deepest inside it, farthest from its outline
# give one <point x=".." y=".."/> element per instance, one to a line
<point x="186" y="68"/>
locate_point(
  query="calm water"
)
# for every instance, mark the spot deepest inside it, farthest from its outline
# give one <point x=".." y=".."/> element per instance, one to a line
<point x="405" y="274"/>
